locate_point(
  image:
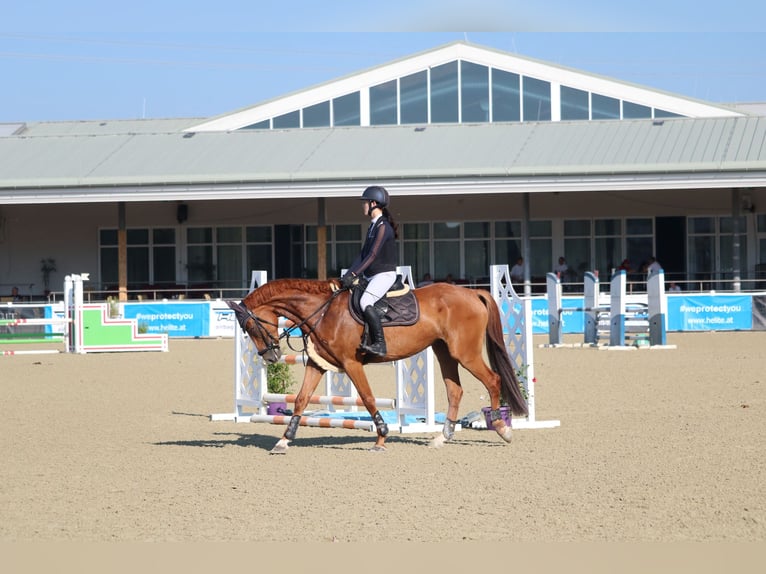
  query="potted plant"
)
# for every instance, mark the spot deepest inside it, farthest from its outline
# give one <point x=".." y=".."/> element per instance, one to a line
<point x="279" y="380"/>
<point x="505" y="410"/>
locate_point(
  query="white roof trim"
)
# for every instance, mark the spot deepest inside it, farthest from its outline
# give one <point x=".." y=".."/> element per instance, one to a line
<point x="556" y="75"/>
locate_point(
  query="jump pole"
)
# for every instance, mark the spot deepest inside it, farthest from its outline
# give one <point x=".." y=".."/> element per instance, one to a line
<point x="516" y="314"/>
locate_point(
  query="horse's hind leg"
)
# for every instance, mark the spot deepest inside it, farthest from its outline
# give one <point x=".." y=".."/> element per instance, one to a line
<point x="451" y="376"/>
<point x="311" y="378"/>
<point x="491" y="380"/>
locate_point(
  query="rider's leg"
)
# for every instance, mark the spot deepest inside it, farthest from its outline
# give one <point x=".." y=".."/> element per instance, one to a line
<point x="376" y="288"/>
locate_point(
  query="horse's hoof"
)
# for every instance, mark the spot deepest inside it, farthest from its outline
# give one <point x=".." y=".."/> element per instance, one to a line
<point x="378" y="448"/>
<point x="280" y="447"/>
<point x="438" y="441"/>
<point x="505" y="434"/>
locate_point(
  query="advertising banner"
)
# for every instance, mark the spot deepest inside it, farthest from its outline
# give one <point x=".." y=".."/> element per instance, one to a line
<point x="177" y="319"/>
<point x="710" y="313"/>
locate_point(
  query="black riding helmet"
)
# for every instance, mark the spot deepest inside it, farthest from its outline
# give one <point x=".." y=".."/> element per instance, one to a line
<point x="377" y="194"/>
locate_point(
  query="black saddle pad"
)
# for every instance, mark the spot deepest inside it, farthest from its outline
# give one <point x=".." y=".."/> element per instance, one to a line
<point x="400" y="307"/>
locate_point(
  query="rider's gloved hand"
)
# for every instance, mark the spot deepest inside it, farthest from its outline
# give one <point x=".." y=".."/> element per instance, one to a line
<point x="348" y="280"/>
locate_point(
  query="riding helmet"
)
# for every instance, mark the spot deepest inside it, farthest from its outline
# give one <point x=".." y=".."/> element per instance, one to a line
<point x="376" y="193"/>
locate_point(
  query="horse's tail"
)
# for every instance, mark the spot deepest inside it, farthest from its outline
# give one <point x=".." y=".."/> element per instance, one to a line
<point x="499" y="359"/>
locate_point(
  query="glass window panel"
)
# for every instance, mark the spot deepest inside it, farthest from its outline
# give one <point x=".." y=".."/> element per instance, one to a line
<point x="577" y="255"/>
<point x="109" y="270"/>
<point x="346" y="254"/>
<point x="258" y="234"/>
<point x="164" y="264"/>
<point x="537" y="100"/>
<point x="701" y="256"/>
<point x="108" y="237"/>
<point x="199" y="234"/>
<point x="574" y="104"/>
<point x="476" y="259"/>
<point x="761" y="222"/>
<point x="658" y="113"/>
<point x="604" y="107"/>
<point x="416" y="255"/>
<point x="138" y="267"/>
<point x="317" y="116"/>
<point x="229" y="267"/>
<point x="165" y="236"/>
<point x="200" y="263"/>
<point x="701" y="225"/>
<point x="632" y="111"/>
<point x="474" y="92"/>
<point x="727" y="257"/>
<point x="541" y="258"/>
<point x="349" y="233"/>
<point x="228" y="234"/>
<point x="506" y="96"/>
<point x="642" y="226"/>
<point x="444" y="98"/>
<point x="727" y="224"/>
<point x="608" y="227"/>
<point x="762" y="256"/>
<point x="507" y="229"/>
<point x="288" y="120"/>
<point x="264" y="125"/>
<point x="507" y="251"/>
<point x="638" y="250"/>
<point x="416" y="231"/>
<point x="345" y="110"/>
<point x="414" y="98"/>
<point x="138" y="236"/>
<point x="541" y="228"/>
<point x="476" y="229"/>
<point x="259" y="259"/>
<point x="383" y="104"/>
<point x="446" y="259"/>
<point x="574" y="227"/>
<point x="447" y="230"/>
<point x="608" y="256"/>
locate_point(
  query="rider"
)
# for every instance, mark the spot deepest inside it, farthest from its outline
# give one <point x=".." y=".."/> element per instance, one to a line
<point x="377" y="262"/>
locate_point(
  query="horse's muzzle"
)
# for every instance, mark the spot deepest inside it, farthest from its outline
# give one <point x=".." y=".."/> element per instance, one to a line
<point x="271" y="356"/>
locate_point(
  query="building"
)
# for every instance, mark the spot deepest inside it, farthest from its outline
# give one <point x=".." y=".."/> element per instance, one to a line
<point x="488" y="156"/>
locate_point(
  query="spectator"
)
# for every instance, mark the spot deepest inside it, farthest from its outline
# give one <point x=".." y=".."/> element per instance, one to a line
<point x="561" y="268"/>
<point x="15" y="297"/>
<point x="653" y="267"/>
<point x="517" y="271"/>
<point x="625" y="266"/>
<point x="426" y="280"/>
<point x="674" y="287"/>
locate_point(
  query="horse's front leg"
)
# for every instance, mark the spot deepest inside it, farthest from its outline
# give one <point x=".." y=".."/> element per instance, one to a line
<point x="356" y="373"/>
<point x="311" y="378"/>
<point x="451" y="376"/>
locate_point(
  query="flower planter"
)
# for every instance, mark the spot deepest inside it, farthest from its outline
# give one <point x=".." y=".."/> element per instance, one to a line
<point x="505" y="413"/>
<point x="273" y="408"/>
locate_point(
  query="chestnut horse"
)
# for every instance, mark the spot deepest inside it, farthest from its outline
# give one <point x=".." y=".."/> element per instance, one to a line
<point x="456" y="322"/>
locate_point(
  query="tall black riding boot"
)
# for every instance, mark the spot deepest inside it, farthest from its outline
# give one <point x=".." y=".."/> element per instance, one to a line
<point x="378" y="345"/>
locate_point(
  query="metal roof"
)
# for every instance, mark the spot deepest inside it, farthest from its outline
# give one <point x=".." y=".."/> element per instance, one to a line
<point x="148" y="164"/>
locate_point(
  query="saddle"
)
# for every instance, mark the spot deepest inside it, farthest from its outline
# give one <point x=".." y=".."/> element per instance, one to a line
<point x="398" y="307"/>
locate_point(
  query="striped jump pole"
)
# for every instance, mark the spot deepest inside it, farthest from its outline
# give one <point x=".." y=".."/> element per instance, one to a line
<point x="29" y="352"/>
<point x="328" y="400"/>
<point x="324" y="422"/>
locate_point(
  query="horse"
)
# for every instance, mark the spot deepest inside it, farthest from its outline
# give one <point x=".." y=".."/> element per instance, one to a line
<point x="456" y="322"/>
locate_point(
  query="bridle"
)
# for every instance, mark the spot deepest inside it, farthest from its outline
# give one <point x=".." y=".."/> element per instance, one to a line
<point x="272" y="342"/>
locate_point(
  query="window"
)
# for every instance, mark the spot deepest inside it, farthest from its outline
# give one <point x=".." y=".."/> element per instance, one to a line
<point x="477" y="250"/>
<point x="417" y="248"/>
<point x="258" y="248"/>
<point x="607" y="243"/>
<point x="507" y="242"/>
<point x="446" y="250"/>
<point x="506" y="97"/>
<point x="702" y="248"/>
<point x="345" y="110"/>
<point x="414" y="98"/>
<point x="151" y="257"/>
<point x="383" y="104"/>
<point x="574" y="104"/>
<point x="639" y="242"/>
<point x="537" y="100"/>
<point x="444" y="107"/>
<point x="474" y="92"/>
<point x="317" y="116"/>
<point x="229" y="269"/>
<point x="288" y="120"/>
<point x="540" y="247"/>
<point x="577" y="247"/>
<point x="632" y="111"/>
<point x="604" y="107"/>
<point x="199" y="256"/>
<point x="164" y="256"/>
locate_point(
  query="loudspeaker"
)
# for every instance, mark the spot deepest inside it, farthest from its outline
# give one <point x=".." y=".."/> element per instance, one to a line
<point x="182" y="212"/>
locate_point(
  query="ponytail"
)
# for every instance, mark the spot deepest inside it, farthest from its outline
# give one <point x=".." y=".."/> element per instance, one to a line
<point x="391" y="221"/>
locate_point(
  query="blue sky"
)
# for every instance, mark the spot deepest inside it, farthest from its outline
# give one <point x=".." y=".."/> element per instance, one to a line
<point x="85" y="60"/>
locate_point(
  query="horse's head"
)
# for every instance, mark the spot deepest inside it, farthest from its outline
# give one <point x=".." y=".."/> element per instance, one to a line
<point x="262" y="330"/>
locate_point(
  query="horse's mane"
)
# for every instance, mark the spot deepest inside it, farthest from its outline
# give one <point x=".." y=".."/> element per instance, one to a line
<point x="279" y="287"/>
